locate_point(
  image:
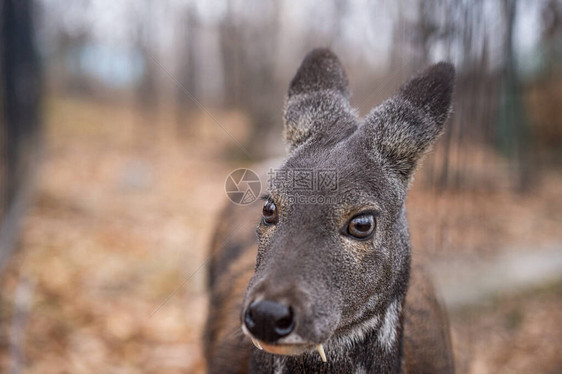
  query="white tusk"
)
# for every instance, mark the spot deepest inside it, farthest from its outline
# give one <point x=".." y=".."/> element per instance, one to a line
<point x="320" y="349"/>
<point x="257" y="344"/>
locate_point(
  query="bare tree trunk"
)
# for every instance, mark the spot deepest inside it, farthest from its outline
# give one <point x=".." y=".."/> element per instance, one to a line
<point x="20" y="116"/>
<point x="187" y="71"/>
<point x="249" y="61"/>
<point x="514" y="135"/>
<point x="231" y="45"/>
<point x="147" y="90"/>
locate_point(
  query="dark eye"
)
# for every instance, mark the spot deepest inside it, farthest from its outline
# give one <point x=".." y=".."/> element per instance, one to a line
<point x="361" y="226"/>
<point x="269" y="213"/>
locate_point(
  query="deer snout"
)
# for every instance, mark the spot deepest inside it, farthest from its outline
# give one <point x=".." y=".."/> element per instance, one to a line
<point x="268" y="320"/>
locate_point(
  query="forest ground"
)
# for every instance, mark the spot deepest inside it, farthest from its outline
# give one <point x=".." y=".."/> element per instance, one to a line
<point x="108" y="276"/>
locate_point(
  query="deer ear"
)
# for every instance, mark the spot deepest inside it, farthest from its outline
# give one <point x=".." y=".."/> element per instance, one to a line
<point x="320" y="70"/>
<point x="318" y="96"/>
<point x="403" y="128"/>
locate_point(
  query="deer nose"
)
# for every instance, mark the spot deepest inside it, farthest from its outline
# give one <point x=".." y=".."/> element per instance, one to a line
<point x="269" y="320"/>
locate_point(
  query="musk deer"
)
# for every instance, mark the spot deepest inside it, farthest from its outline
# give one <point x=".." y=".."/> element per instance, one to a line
<point x="329" y="286"/>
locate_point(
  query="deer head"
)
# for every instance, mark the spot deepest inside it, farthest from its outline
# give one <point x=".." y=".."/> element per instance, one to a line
<point x="333" y="259"/>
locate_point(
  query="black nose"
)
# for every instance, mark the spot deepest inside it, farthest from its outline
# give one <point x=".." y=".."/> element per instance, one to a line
<point x="269" y="320"/>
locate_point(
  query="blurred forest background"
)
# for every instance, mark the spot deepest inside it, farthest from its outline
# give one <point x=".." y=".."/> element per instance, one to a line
<point x="120" y="120"/>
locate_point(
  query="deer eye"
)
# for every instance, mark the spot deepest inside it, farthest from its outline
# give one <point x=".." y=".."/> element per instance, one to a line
<point x="361" y="226"/>
<point x="269" y="213"/>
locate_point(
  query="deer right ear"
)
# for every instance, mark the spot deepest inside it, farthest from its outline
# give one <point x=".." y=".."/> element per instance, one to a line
<point x="405" y="126"/>
<point x="318" y="97"/>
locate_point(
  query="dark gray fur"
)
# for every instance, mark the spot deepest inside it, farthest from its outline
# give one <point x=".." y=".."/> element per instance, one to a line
<point x="341" y="288"/>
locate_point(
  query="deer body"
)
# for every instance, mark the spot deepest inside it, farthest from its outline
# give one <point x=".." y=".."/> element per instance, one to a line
<point x="334" y="278"/>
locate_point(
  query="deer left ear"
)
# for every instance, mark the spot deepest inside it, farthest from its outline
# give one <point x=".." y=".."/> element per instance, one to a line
<point x="403" y="128"/>
<point x="318" y="98"/>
